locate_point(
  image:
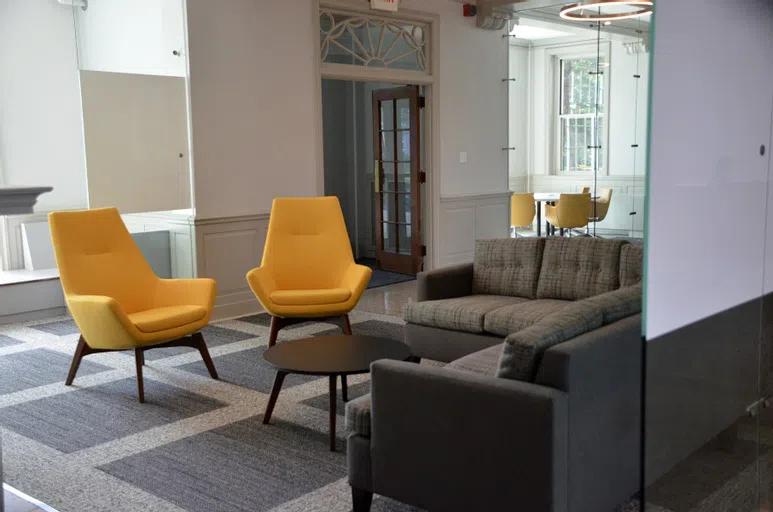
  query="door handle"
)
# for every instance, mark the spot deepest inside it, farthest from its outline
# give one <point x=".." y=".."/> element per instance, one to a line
<point x="376" y="178"/>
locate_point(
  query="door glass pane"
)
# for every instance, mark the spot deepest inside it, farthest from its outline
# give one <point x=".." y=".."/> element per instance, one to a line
<point x="388" y="180"/>
<point x="404" y="177"/>
<point x="405" y="239"/>
<point x="404" y="145"/>
<point x="387" y="115"/>
<point x="404" y="113"/>
<point x="388" y="145"/>
<point x="390" y="237"/>
<point x="404" y="208"/>
<point x="388" y="206"/>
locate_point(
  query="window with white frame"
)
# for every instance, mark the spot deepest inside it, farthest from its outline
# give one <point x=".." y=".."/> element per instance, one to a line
<point x="580" y="125"/>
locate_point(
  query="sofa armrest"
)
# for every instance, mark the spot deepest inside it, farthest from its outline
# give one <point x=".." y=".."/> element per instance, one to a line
<point x="449" y="440"/>
<point x="445" y="283"/>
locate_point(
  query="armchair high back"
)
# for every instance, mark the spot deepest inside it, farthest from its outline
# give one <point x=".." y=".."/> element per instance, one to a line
<point x="116" y="300"/>
<point x="308" y="270"/>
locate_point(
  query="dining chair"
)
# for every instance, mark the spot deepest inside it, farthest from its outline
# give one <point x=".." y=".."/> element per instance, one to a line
<point x="115" y="298"/>
<point x="585" y="190"/>
<point x="600" y="205"/>
<point x="522" y="211"/>
<point x="571" y="212"/>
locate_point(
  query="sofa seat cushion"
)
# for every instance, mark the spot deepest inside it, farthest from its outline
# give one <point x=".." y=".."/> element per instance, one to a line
<point x="484" y="361"/>
<point x="458" y="314"/>
<point x="310" y="297"/>
<point x="523" y="350"/>
<point x="509" y="319"/>
<point x="618" y="304"/>
<point x="576" y="268"/>
<point x="631" y="264"/>
<point x="165" y="318"/>
<point x="358" y="415"/>
<point x="507" y="266"/>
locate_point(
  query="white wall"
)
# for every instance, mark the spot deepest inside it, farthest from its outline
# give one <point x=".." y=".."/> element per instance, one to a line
<point x="254" y="108"/>
<point x="473" y="115"/>
<point x="518" y="118"/>
<point x="132" y="36"/>
<point x="136" y="129"/>
<point x="708" y="183"/>
<point x="41" y="134"/>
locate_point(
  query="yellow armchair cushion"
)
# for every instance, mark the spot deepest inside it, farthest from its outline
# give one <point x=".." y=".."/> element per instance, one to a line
<point x="310" y="297"/>
<point x="165" y="318"/>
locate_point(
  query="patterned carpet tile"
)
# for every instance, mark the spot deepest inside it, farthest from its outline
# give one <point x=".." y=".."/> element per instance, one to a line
<point x="38" y="367"/>
<point x="242" y="467"/>
<point x="370" y="328"/>
<point x="6" y="341"/>
<point x="247" y="368"/>
<point x="213" y="336"/>
<point x="322" y="402"/>
<point x="58" y="328"/>
<point x="69" y="422"/>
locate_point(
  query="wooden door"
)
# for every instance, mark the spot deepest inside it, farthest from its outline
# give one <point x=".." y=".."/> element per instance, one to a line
<point x="397" y="179"/>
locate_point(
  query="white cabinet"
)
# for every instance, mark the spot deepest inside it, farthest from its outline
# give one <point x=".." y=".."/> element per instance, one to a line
<point x="132" y="36"/>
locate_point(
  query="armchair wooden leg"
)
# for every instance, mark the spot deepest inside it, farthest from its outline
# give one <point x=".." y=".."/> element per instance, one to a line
<point x="80" y="351"/>
<point x="142" y="357"/>
<point x="361" y="500"/>
<point x="347" y="327"/>
<point x="276" y="324"/>
<point x="140" y="385"/>
<point x="198" y="342"/>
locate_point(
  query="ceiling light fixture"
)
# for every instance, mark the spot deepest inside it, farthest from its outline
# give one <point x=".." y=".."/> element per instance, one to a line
<point x="607" y="10"/>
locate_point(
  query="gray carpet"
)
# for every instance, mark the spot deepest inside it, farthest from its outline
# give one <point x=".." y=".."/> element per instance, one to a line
<point x="196" y="444"/>
<point x="199" y="445"/>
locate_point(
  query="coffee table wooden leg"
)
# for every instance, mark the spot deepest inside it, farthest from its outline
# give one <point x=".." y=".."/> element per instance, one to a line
<point x="280" y="377"/>
<point x="344" y="389"/>
<point x="333" y="400"/>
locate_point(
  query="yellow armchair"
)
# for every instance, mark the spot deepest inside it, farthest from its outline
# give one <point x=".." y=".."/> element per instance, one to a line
<point x="308" y="270"/>
<point x="572" y="211"/>
<point x="116" y="300"/>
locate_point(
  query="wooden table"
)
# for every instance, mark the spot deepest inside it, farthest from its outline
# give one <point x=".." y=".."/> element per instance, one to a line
<point x="332" y="356"/>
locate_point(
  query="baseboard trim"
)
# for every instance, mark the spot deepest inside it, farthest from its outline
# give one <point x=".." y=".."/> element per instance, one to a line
<point x="30" y="316"/>
<point x="234" y="310"/>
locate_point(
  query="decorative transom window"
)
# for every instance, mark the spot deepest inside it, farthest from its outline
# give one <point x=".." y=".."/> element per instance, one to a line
<point x="366" y="40"/>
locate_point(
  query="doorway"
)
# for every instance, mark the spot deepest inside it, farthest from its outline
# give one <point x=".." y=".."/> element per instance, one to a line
<point x="373" y="156"/>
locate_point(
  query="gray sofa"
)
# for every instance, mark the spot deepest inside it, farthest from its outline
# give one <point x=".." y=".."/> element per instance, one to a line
<point x="539" y="406"/>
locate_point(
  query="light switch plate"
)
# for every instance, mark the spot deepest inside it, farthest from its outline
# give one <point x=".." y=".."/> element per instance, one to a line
<point x="463" y="157"/>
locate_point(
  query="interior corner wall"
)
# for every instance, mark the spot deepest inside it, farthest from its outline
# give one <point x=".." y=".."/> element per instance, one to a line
<point x="473" y="99"/>
<point x="253" y="104"/>
<point x="518" y="117"/>
<point x="41" y="133"/>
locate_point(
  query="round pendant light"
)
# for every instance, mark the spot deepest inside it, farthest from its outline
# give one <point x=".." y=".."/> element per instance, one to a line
<point x="607" y="10"/>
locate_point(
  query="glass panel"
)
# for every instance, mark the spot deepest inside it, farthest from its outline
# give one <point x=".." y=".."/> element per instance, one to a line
<point x="373" y="41"/>
<point x="390" y="237"/>
<point x="387" y="115"/>
<point x="404" y="146"/>
<point x="404" y="177"/>
<point x="404" y="208"/>
<point x="388" y="180"/>
<point x="404" y="113"/>
<point x="388" y="146"/>
<point x="388" y="206"/>
<point x="405" y="239"/>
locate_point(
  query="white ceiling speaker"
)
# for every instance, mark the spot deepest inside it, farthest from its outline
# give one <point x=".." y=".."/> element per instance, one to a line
<point x="607" y="10"/>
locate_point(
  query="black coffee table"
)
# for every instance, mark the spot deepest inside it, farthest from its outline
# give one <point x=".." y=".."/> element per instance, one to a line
<point x="331" y="356"/>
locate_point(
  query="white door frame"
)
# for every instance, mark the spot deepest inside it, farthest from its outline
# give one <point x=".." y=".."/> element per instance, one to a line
<point x="431" y="127"/>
